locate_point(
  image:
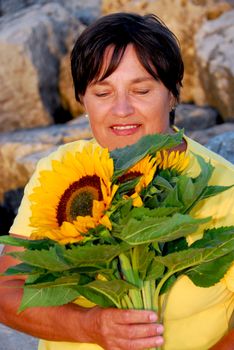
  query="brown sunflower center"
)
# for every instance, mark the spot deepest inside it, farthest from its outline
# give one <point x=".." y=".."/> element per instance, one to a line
<point x="78" y="198"/>
<point x="129" y="176"/>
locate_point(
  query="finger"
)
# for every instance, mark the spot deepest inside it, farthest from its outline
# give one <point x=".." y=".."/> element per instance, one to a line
<point x="135" y="316"/>
<point x="140" y="331"/>
<point x="143" y="344"/>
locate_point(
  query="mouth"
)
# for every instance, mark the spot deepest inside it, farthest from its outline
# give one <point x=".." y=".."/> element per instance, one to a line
<point x="125" y="129"/>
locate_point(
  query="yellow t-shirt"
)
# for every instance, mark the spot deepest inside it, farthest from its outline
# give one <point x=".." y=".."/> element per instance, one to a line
<point x="195" y="318"/>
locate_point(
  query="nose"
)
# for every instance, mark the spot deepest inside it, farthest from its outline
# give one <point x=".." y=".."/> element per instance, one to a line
<point x="122" y="106"/>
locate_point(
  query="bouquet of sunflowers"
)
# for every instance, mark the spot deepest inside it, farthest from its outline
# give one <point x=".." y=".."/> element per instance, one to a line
<point x="112" y="228"/>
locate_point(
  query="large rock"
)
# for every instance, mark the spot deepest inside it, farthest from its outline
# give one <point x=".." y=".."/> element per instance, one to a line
<point x="204" y="136"/>
<point x="20" y="150"/>
<point x="11" y="339"/>
<point x="184" y="18"/>
<point x="192" y="117"/>
<point x="224" y="145"/>
<point x="19" y="154"/>
<point x="215" y="52"/>
<point x="32" y="42"/>
<point x="90" y="11"/>
<point x="86" y="11"/>
<point x="66" y="89"/>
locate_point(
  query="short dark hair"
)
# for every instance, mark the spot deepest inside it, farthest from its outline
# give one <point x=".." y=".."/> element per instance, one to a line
<point x="157" y="49"/>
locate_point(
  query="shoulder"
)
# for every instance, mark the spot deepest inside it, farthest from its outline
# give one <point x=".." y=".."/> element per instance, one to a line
<point x="207" y="154"/>
<point x="223" y="173"/>
<point x="58" y="154"/>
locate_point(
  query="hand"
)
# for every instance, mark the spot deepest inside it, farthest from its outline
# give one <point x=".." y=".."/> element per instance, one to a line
<point x="115" y="329"/>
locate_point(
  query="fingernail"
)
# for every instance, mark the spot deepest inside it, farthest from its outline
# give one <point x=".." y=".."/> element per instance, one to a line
<point x="153" y="317"/>
<point x="160" y="329"/>
<point x="159" y="341"/>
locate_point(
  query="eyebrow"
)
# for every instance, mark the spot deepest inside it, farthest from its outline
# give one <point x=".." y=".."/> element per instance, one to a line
<point x="133" y="81"/>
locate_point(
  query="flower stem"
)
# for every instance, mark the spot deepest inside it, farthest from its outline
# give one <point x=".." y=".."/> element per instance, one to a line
<point x="127" y="302"/>
<point x="157" y="293"/>
<point x="147" y="295"/>
<point x="129" y="276"/>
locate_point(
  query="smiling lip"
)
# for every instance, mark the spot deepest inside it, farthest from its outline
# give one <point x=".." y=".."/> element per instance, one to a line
<point x="125" y="129"/>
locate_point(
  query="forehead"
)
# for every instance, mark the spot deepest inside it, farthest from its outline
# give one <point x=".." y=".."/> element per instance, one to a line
<point x="126" y="61"/>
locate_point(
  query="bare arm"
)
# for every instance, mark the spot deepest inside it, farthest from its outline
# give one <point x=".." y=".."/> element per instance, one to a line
<point x="110" y="328"/>
<point x="226" y="343"/>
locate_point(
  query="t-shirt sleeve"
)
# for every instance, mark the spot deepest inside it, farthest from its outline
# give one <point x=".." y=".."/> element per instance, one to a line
<point x="219" y="207"/>
<point x="21" y="225"/>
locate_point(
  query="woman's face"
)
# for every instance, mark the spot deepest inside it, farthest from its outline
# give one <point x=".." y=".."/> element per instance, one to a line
<point x="128" y="104"/>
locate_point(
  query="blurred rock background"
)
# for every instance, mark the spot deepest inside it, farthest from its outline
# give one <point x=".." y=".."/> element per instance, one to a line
<point x="38" y="111"/>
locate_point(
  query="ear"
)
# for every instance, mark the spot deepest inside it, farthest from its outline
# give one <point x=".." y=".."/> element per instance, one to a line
<point x="172" y="101"/>
<point x="81" y="101"/>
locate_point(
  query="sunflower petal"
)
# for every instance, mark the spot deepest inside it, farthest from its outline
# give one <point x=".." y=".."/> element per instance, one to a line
<point x="71" y="181"/>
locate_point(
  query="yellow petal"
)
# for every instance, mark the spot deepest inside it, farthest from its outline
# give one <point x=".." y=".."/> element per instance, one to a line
<point x="59" y="187"/>
<point x="137" y="202"/>
<point x="105" y="221"/>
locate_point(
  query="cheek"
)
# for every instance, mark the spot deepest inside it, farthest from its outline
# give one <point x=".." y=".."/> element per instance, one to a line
<point x="95" y="126"/>
<point x="157" y="119"/>
<point x="99" y="131"/>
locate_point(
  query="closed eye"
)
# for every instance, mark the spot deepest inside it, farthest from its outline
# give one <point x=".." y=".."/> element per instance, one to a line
<point x="101" y="94"/>
<point x="141" y="92"/>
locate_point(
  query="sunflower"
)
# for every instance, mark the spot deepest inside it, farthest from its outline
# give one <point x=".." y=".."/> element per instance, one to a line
<point x="73" y="196"/>
<point x="172" y="160"/>
<point x="145" y="169"/>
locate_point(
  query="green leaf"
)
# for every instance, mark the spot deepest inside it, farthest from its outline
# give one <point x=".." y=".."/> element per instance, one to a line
<point x="155" y="270"/>
<point x="213" y="250"/>
<point x="91" y="270"/>
<point x="53" y="295"/>
<point x="95" y="296"/>
<point x="27" y="243"/>
<point x="207" y="274"/>
<point x="125" y="157"/>
<point x="127" y="186"/>
<point x="22" y="269"/>
<point x="141" y="260"/>
<point x="126" y="208"/>
<point x="162" y="182"/>
<point x="175" y="246"/>
<point x="49" y="280"/>
<point x="46" y="259"/>
<point x="214" y="190"/>
<point x="139" y="213"/>
<point x="200" y="183"/>
<point x="58" y="258"/>
<point x="214" y="237"/>
<point x="172" y="199"/>
<point x="98" y="255"/>
<point x="183" y="191"/>
<point x="182" y="260"/>
<point x="186" y="190"/>
<point x="32" y="278"/>
<point x="105" y="293"/>
<point x="168" y="284"/>
<point x="159" y="229"/>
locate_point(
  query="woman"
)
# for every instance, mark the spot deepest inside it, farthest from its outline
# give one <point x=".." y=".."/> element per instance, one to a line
<point x="127" y="72"/>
